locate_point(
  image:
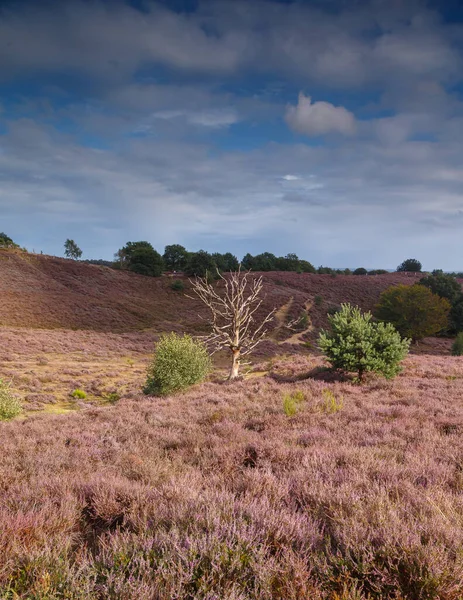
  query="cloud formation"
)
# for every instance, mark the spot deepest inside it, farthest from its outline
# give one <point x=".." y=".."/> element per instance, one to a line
<point x="175" y="126"/>
<point x="319" y="118"/>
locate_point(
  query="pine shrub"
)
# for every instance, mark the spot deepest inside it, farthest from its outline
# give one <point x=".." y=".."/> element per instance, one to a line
<point x="457" y="346"/>
<point x="10" y="406"/>
<point x="357" y="344"/>
<point x="179" y="361"/>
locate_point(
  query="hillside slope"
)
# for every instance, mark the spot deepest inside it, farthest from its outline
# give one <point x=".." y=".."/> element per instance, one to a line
<point x="47" y="292"/>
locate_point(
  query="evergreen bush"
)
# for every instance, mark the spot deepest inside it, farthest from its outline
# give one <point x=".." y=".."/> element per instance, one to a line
<point x="357" y="344"/>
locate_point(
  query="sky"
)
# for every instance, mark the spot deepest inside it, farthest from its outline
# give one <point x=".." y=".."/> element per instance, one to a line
<point x="332" y="129"/>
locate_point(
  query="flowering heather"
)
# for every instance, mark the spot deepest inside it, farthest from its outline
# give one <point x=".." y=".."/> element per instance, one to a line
<point x="217" y="493"/>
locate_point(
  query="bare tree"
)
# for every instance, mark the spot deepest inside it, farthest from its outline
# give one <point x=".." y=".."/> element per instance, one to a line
<point x="234" y="320"/>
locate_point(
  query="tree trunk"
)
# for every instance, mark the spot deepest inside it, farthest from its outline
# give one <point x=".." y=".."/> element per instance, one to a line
<point x="234" y="371"/>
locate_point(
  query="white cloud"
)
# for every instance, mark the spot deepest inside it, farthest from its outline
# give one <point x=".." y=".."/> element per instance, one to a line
<point x="319" y="118"/>
<point x="207" y="118"/>
<point x="290" y="177"/>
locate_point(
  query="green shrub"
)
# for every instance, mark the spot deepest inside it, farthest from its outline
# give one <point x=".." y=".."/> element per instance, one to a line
<point x="179" y="361"/>
<point x="10" y="406"/>
<point x="356" y="344"/>
<point x="318" y="300"/>
<point x="79" y="394"/>
<point x="457" y="347"/>
<point x="292" y="402"/>
<point x="177" y="285"/>
<point x="413" y="310"/>
<point x="360" y="271"/>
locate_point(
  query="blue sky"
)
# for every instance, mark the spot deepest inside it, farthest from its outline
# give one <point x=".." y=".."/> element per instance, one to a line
<point x="330" y="129"/>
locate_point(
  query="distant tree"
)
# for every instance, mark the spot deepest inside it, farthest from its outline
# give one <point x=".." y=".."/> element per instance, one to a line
<point x="445" y="286"/>
<point x="175" y="257"/>
<point x="377" y="272"/>
<point x="200" y="263"/>
<point x="325" y="270"/>
<point x="356" y="344"/>
<point x="141" y="258"/>
<point x="265" y="262"/>
<point x="306" y="267"/>
<point x="234" y="324"/>
<point x="290" y="262"/>
<point x="410" y="265"/>
<point x="413" y="310"/>
<point x="225" y="262"/>
<point x="360" y="271"/>
<point x="6" y="241"/>
<point x="72" y="250"/>
<point x="248" y="262"/>
<point x="456" y="317"/>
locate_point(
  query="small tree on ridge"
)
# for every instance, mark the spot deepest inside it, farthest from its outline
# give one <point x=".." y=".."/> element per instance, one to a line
<point x="72" y="250"/>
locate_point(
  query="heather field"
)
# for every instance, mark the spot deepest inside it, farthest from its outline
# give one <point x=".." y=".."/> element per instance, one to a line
<point x="217" y="493"/>
<point x="294" y="483"/>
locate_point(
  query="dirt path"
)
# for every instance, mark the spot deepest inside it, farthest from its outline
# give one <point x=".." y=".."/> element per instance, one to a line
<point x="296" y="338"/>
<point x="280" y="317"/>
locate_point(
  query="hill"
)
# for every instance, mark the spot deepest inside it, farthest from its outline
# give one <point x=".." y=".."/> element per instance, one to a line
<point x="47" y="292"/>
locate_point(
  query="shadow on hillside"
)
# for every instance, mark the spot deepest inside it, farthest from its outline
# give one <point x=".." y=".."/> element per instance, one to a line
<point x="318" y="373"/>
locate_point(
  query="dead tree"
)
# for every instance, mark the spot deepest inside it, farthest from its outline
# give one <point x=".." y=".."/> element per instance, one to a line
<point x="234" y="324"/>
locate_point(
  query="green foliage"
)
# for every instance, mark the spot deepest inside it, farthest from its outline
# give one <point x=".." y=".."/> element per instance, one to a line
<point x="318" y="300"/>
<point x="360" y="271"/>
<point x="457" y="346"/>
<point x="325" y="270"/>
<point x="200" y="263"/>
<point x="330" y="404"/>
<point x="413" y="310"/>
<point x="306" y="267"/>
<point x="226" y="262"/>
<point x="456" y="317"/>
<point x="292" y="402"/>
<point x="179" y="361"/>
<point x="175" y="257"/>
<point x="410" y="265"/>
<point x="141" y="258"/>
<point x="377" y="272"/>
<point x="356" y="344"/>
<point x="269" y="262"/>
<point x="6" y="241"/>
<point x="177" y="285"/>
<point x="80" y="394"/>
<point x="72" y="250"/>
<point x="445" y="286"/>
<point x="10" y="406"/>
